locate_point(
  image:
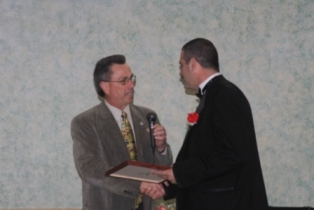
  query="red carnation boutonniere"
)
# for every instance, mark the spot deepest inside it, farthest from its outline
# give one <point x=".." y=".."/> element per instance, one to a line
<point x="192" y="118"/>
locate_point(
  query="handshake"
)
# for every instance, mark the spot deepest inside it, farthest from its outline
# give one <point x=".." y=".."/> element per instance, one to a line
<point x="156" y="190"/>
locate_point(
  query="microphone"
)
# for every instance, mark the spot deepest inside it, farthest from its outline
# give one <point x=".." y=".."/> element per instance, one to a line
<point x="151" y="118"/>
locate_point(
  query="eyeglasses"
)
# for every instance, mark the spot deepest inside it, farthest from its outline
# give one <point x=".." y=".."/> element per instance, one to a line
<point x="125" y="81"/>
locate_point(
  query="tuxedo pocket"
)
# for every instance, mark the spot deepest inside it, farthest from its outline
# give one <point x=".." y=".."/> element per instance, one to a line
<point x="218" y="190"/>
<point x="223" y="183"/>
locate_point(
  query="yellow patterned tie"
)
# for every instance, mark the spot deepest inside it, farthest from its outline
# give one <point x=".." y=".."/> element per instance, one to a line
<point x="127" y="134"/>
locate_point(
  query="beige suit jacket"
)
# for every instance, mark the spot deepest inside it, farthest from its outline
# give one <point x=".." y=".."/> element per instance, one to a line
<point x="98" y="146"/>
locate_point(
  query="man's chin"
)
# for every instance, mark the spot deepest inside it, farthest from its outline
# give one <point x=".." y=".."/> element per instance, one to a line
<point x="187" y="87"/>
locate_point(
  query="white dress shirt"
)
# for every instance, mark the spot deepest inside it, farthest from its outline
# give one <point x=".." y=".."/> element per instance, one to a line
<point x="117" y="115"/>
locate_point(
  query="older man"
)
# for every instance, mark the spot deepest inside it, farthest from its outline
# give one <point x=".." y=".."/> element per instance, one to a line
<point x="112" y="132"/>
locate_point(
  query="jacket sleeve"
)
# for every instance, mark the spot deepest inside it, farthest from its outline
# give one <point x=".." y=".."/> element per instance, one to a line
<point x="90" y="163"/>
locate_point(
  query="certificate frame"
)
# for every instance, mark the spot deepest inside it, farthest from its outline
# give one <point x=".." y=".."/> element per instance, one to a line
<point x="136" y="170"/>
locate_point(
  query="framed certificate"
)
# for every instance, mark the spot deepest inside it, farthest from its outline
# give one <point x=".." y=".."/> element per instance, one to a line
<point x="137" y="171"/>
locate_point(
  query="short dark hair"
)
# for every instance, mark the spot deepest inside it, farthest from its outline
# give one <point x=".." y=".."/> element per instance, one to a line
<point x="103" y="70"/>
<point x="203" y="51"/>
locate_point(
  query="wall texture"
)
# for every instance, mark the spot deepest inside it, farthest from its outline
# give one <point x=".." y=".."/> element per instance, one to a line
<point x="48" y="50"/>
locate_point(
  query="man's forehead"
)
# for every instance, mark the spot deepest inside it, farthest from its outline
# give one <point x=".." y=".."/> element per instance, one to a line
<point x="120" y="66"/>
<point x="182" y="60"/>
<point x="120" y="71"/>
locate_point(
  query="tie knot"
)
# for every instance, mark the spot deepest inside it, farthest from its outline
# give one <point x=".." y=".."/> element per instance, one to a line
<point x="124" y="115"/>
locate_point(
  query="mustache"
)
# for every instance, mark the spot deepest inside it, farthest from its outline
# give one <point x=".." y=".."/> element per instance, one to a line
<point x="130" y="91"/>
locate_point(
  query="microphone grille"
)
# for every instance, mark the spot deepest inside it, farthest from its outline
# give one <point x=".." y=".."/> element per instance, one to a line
<point x="151" y="117"/>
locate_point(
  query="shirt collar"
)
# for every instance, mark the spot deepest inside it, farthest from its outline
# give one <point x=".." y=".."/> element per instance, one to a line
<point x="203" y="84"/>
<point x="117" y="112"/>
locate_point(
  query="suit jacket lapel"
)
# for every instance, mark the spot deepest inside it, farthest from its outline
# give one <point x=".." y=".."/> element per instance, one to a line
<point x="109" y="131"/>
<point x="140" y="124"/>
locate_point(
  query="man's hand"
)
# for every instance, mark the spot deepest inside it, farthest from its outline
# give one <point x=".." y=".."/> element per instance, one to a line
<point x="160" y="137"/>
<point x="152" y="190"/>
<point x="166" y="174"/>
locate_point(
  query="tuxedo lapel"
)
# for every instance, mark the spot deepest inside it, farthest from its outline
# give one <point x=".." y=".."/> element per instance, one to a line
<point x="201" y="104"/>
<point x="206" y="90"/>
<point x="209" y="88"/>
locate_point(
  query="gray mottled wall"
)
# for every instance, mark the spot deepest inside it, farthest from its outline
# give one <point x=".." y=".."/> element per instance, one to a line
<point x="48" y="50"/>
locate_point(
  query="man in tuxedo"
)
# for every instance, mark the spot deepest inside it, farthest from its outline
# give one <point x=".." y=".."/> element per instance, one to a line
<point x="218" y="166"/>
<point x="113" y="132"/>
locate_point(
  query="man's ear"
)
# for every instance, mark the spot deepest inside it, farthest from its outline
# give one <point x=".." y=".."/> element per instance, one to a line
<point x="104" y="86"/>
<point x="192" y="64"/>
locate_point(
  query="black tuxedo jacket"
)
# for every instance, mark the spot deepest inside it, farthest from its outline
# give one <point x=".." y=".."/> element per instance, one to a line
<point x="218" y="166"/>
